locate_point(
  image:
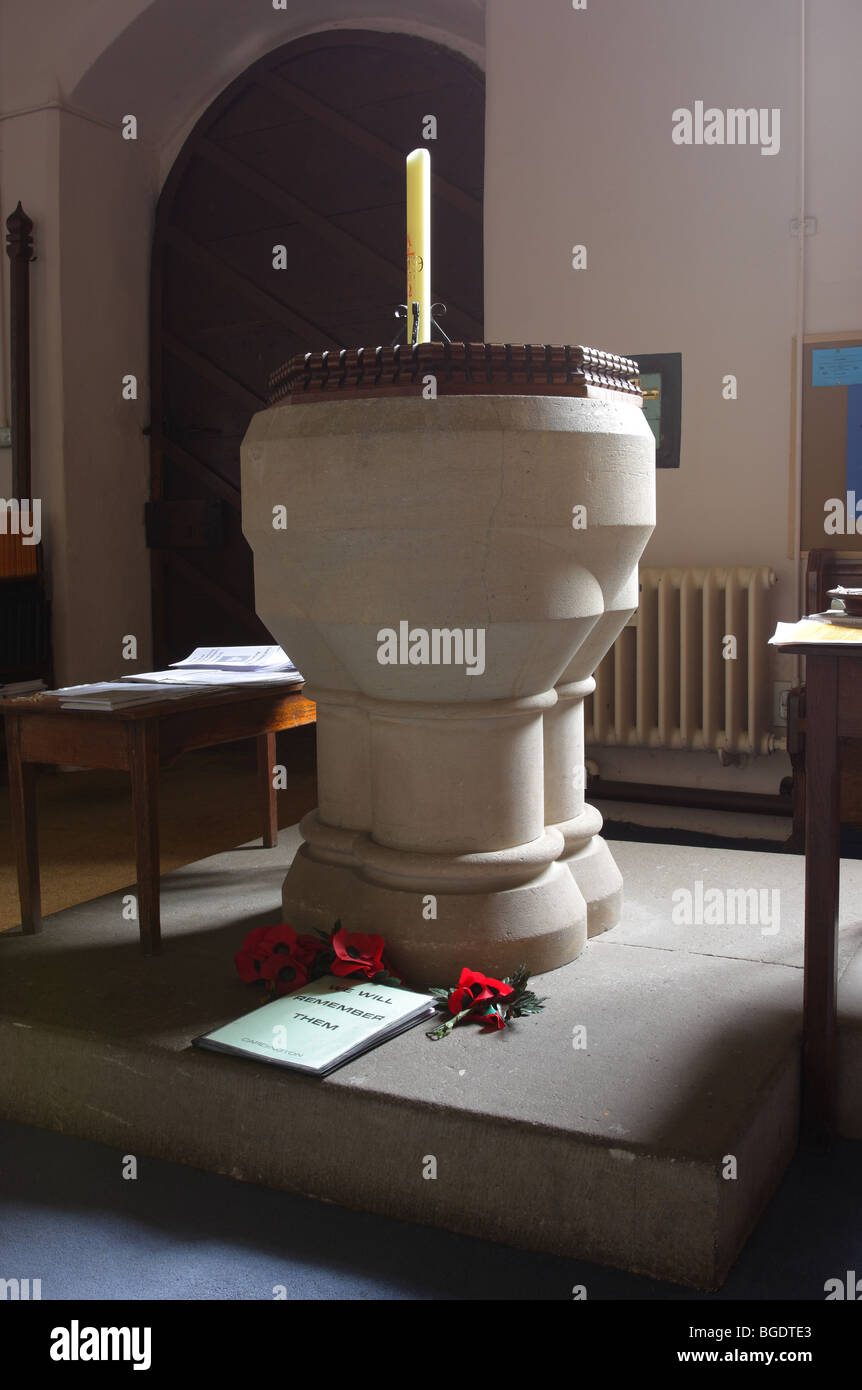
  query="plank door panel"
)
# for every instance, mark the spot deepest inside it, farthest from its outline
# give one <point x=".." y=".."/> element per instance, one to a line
<point x="306" y="150"/>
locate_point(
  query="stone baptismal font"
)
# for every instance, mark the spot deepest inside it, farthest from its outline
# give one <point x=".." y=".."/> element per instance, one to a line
<point x="446" y="540"/>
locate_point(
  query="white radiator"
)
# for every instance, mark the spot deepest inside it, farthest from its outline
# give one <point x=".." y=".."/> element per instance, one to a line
<point x="665" y="683"/>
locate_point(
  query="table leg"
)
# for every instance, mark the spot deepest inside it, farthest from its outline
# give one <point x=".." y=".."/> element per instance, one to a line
<point x="144" y="768"/>
<point x="266" y="790"/>
<point x="22" y="797"/>
<point x="822" y="859"/>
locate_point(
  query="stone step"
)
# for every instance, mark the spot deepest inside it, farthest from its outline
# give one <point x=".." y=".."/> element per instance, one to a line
<point x="613" y="1151"/>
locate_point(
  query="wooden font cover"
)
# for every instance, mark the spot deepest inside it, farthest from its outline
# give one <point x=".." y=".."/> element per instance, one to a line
<point x="457" y="369"/>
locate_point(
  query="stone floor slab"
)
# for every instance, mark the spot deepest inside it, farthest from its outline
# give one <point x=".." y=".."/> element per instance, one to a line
<point x="613" y="1150"/>
<point x="657" y="876"/>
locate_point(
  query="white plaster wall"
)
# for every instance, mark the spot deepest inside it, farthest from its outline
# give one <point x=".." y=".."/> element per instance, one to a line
<point x="833" y="291"/>
<point x="105" y="181"/>
<point x="688" y="247"/>
<point x="46" y="45"/>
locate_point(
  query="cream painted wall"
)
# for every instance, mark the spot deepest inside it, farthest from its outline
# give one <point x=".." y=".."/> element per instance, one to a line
<point x="688" y="247"/>
<point x="834" y="194"/>
<point x="105" y="182"/>
<point x="46" y="46"/>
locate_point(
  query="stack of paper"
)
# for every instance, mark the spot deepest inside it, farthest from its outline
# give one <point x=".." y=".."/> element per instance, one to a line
<point x="226" y="666"/>
<point x="237" y="659"/>
<point x="108" y="695"/>
<point x="213" y="677"/>
<point x="208" y="668"/>
<point x="13" y="688"/>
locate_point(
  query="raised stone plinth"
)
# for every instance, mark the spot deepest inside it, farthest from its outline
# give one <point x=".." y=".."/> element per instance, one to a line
<point x="613" y="1151"/>
<point x="447" y="573"/>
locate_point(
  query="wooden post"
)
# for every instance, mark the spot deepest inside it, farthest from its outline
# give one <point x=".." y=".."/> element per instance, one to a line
<point x="19" y="249"/>
<point x="822" y="861"/>
<point x="268" y="797"/>
<point x="143" y="755"/>
<point x="22" y="800"/>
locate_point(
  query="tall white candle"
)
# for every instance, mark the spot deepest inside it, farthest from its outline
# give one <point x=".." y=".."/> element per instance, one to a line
<point x="419" y="243"/>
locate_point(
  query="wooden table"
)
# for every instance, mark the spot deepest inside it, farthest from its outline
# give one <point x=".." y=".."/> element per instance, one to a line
<point x="833" y="710"/>
<point x="138" y="740"/>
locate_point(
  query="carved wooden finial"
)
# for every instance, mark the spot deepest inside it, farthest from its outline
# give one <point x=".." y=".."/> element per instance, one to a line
<point x="19" y="235"/>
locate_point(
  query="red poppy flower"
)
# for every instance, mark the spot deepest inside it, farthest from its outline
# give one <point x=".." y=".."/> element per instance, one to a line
<point x="284" y="972"/>
<point x="262" y="954"/>
<point x="250" y="954"/>
<point x="474" y="988"/>
<point x="356" y="954"/>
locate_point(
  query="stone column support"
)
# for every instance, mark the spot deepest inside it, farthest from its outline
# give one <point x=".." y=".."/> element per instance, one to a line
<point x="584" y="851"/>
<point x="452" y="821"/>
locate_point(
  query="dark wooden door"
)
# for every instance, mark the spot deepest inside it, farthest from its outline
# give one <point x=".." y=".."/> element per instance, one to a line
<point x="306" y="151"/>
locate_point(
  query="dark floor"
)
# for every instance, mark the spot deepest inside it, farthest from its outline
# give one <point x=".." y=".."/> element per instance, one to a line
<point x="851" y="838"/>
<point x="69" y="1218"/>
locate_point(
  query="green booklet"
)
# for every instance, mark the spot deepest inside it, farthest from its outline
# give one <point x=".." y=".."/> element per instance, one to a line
<point x="323" y="1025"/>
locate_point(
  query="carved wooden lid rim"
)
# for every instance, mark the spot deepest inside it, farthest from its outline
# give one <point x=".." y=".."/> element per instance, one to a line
<point x="457" y="369"/>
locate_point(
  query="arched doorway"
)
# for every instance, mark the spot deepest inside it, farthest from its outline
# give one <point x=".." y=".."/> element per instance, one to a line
<point x="304" y="151"/>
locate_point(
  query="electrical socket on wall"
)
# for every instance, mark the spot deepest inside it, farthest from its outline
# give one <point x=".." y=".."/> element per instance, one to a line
<point x="780" y="691"/>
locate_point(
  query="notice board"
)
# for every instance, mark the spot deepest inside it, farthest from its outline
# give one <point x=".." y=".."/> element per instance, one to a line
<point x="832" y="443"/>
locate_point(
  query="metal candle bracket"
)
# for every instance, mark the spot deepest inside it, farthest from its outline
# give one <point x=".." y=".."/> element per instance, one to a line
<point x="402" y="312"/>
